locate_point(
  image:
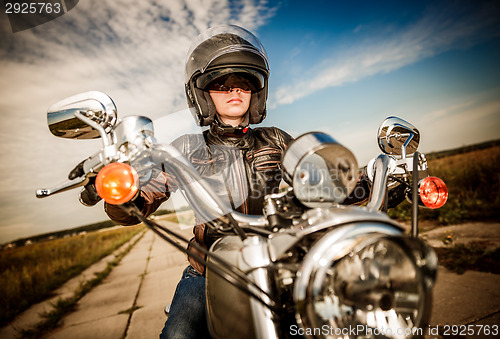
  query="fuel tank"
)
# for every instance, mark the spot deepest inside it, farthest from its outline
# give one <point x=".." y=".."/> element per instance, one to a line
<point x="228" y="308"/>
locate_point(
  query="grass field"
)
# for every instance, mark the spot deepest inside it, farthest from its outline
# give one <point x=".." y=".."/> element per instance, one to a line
<point x="29" y="274"/>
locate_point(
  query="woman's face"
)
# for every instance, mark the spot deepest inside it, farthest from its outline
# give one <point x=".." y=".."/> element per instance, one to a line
<point x="231" y="106"/>
<point x="231" y="97"/>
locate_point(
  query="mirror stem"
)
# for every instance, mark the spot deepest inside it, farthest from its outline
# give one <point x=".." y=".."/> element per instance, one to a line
<point x="403" y="148"/>
<point x="414" y="206"/>
<point x="104" y="136"/>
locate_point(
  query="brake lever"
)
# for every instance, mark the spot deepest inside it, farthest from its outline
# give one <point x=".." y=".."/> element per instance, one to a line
<point x="78" y="176"/>
<point x="64" y="186"/>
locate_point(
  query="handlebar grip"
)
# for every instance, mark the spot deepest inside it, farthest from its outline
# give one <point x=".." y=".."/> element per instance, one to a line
<point x="77" y="171"/>
<point x="89" y="196"/>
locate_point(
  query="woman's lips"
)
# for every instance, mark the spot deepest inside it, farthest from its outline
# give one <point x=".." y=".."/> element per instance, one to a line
<point x="234" y="101"/>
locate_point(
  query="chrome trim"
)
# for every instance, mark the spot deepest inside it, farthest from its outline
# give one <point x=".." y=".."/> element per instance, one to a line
<point x="379" y="187"/>
<point x="331" y="247"/>
<point x="133" y="130"/>
<point x="133" y="136"/>
<point x="398" y="137"/>
<point x="201" y="197"/>
<point x="320" y="219"/>
<point x="343" y="240"/>
<point x="317" y="219"/>
<point x="106" y="138"/>
<point x="249" y="220"/>
<point x="304" y="145"/>
<point x="64" y="186"/>
<point x="405" y="145"/>
<point x="279" y="243"/>
<point x="95" y="105"/>
<point x="322" y="171"/>
<point x="415" y="197"/>
<point x="255" y="256"/>
<point x="206" y="204"/>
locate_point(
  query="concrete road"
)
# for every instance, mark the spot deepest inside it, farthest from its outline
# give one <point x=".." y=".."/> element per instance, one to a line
<point x="130" y="301"/>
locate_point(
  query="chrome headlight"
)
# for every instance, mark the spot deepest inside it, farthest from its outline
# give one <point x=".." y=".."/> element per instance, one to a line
<point x="321" y="170"/>
<point x="365" y="280"/>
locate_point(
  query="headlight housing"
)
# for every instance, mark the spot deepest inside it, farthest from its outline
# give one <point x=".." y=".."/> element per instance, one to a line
<point x="321" y="171"/>
<point x="365" y="280"/>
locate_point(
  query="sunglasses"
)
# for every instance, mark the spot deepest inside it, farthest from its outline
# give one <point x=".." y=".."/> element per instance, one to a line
<point x="229" y="82"/>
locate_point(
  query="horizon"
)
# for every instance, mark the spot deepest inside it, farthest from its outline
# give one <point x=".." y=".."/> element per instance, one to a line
<point x="495" y="141"/>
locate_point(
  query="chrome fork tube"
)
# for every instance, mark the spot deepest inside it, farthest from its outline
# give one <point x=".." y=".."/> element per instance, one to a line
<point x="255" y="256"/>
<point x="263" y="318"/>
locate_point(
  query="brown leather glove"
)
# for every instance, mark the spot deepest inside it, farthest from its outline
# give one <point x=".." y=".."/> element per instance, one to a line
<point x="88" y="195"/>
<point x="150" y="197"/>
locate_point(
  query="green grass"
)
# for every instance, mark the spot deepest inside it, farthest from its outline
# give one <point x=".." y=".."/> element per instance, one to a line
<point x="64" y="306"/>
<point x="473" y="182"/>
<point x="29" y="274"/>
<point x="472" y="256"/>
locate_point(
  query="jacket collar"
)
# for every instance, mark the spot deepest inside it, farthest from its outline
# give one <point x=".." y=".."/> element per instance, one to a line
<point x="239" y="136"/>
<point x="220" y="128"/>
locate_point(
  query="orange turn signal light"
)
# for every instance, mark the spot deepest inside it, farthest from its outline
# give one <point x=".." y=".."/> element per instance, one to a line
<point x="116" y="183"/>
<point x="433" y="192"/>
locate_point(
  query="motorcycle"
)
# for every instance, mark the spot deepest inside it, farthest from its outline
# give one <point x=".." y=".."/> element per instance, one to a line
<point x="308" y="266"/>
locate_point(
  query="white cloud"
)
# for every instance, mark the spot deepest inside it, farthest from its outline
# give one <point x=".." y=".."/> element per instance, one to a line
<point x="436" y="32"/>
<point x="132" y="50"/>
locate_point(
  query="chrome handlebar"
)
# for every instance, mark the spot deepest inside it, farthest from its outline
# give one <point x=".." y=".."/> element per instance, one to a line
<point x="379" y="187"/>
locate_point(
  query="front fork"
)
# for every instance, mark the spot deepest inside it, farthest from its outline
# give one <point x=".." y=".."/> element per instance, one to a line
<point x="414" y="207"/>
<point x="255" y="257"/>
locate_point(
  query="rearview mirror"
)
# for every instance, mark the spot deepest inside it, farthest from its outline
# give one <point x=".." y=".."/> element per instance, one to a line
<point x="398" y="137"/>
<point x="82" y="116"/>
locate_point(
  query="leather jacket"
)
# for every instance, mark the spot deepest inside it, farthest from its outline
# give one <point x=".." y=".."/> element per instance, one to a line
<point x="241" y="169"/>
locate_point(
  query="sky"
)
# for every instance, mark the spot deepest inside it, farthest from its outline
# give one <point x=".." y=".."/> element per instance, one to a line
<point x="338" y="67"/>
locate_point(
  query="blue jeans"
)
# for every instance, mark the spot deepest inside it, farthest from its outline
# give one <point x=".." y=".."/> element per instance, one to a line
<point x="187" y="318"/>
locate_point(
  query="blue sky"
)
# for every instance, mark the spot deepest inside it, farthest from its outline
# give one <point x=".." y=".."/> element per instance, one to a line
<point x="336" y="66"/>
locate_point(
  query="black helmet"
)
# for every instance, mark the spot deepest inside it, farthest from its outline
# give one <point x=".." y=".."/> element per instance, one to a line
<point x="219" y="51"/>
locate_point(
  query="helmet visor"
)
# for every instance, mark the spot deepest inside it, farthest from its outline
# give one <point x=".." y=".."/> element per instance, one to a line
<point x="232" y="77"/>
<point x="231" y="81"/>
